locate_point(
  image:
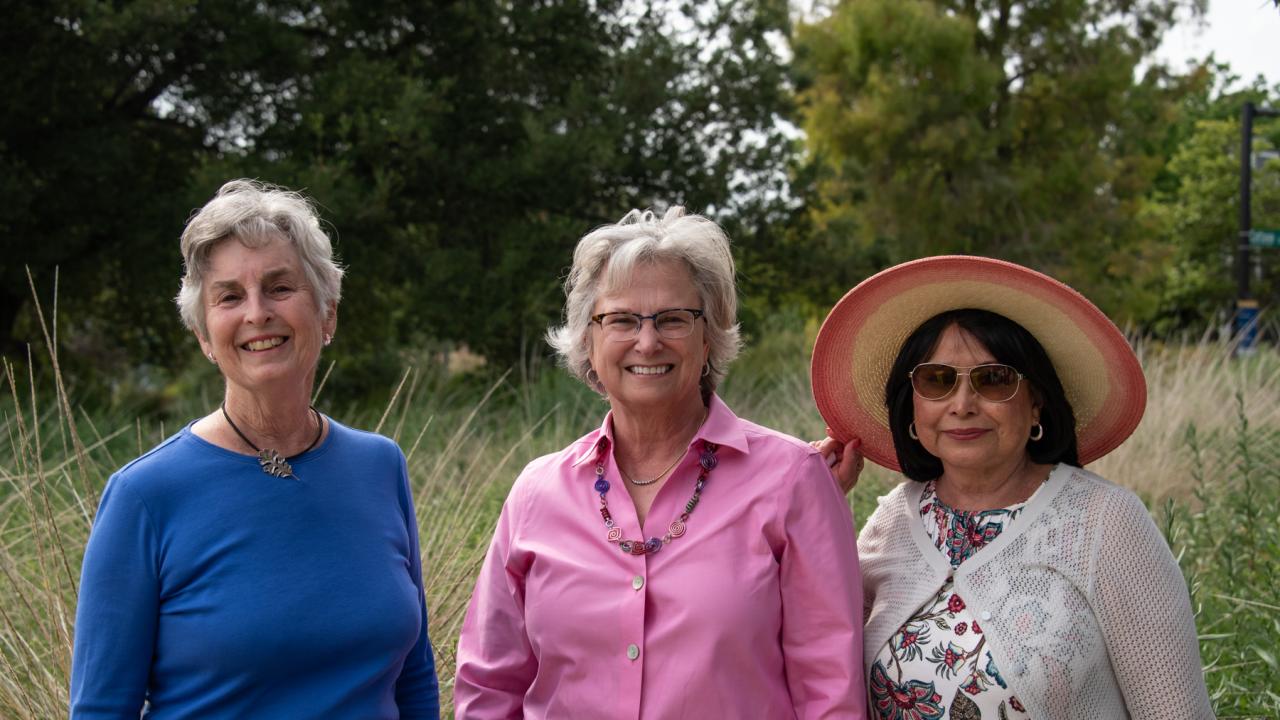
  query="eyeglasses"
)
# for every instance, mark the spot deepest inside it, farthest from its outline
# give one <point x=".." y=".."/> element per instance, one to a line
<point x="993" y="382"/>
<point x="671" y="324"/>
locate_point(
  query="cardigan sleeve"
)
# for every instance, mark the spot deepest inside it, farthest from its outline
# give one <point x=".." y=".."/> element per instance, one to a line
<point x="417" y="690"/>
<point x="1145" y="615"/>
<point x="118" y="609"/>
<point x="821" y="598"/>
<point x="496" y="663"/>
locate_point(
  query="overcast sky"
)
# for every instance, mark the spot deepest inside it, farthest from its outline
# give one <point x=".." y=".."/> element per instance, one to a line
<point x="1243" y="33"/>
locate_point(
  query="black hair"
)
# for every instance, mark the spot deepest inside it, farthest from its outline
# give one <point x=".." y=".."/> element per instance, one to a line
<point x="1009" y="343"/>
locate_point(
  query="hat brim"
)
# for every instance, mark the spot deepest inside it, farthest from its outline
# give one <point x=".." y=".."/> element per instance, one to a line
<point x="863" y="333"/>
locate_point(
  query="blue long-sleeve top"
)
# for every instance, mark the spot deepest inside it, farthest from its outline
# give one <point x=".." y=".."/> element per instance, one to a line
<point x="212" y="590"/>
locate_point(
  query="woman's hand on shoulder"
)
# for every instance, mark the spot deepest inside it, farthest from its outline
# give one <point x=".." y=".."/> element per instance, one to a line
<point x="844" y="459"/>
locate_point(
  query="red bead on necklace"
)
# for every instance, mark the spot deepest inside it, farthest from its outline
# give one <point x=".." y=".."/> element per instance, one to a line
<point x="706" y="463"/>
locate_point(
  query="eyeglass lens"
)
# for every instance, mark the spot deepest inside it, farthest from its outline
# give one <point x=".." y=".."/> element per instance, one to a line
<point x="670" y="324"/>
<point x="935" y="381"/>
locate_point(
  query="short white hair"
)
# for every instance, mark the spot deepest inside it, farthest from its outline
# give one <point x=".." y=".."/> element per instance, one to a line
<point x="255" y="214"/>
<point x="606" y="260"/>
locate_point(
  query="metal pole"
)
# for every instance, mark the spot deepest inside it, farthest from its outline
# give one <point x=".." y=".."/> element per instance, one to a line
<point x="1246" y="220"/>
<point x="1244" y="322"/>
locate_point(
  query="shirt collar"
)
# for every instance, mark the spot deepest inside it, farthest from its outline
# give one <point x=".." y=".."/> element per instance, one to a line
<point x="591" y="443"/>
<point x="721" y="427"/>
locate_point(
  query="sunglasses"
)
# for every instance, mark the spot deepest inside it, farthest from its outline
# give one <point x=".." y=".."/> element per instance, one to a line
<point x="993" y="382"/>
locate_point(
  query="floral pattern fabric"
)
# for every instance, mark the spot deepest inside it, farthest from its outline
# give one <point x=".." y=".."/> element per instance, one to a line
<point x="937" y="665"/>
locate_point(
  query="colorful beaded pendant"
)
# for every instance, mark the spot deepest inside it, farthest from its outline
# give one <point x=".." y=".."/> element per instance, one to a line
<point x="706" y="462"/>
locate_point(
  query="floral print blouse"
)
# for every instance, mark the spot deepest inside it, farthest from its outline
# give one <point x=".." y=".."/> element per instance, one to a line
<point x="937" y="665"/>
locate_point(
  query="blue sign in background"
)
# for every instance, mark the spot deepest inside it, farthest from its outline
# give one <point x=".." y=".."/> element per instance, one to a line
<point x="1246" y="325"/>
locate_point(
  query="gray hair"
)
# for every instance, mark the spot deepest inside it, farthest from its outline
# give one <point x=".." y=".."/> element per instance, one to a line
<point x="606" y="260"/>
<point x="255" y="214"/>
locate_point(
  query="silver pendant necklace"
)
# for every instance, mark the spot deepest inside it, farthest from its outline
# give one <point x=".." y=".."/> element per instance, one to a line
<point x="272" y="462"/>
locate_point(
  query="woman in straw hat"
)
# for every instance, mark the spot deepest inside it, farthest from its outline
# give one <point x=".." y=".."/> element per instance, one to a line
<point x="677" y="561"/>
<point x="1005" y="581"/>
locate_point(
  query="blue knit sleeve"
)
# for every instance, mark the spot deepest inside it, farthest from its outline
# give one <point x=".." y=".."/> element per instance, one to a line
<point x="417" y="690"/>
<point x="118" y="609"/>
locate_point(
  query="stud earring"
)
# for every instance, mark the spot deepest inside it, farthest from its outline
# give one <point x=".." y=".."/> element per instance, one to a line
<point x="327" y="339"/>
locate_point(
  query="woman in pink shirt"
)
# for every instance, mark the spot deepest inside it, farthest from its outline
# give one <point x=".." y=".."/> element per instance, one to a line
<point x="678" y="561"/>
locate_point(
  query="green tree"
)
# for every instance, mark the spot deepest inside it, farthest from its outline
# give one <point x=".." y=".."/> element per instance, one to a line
<point x="1011" y="129"/>
<point x="461" y="177"/>
<point x="457" y="149"/>
<point x="1196" y="204"/>
<point x="109" y="108"/>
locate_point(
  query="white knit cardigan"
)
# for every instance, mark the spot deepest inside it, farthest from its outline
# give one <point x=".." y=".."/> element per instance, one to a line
<point x="1085" y="610"/>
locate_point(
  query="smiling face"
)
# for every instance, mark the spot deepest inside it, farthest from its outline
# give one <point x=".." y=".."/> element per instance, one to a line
<point x="965" y="431"/>
<point x="651" y="373"/>
<point x="264" y="330"/>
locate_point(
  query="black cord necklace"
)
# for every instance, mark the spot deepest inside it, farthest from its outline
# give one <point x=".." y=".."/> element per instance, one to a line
<point x="272" y="462"/>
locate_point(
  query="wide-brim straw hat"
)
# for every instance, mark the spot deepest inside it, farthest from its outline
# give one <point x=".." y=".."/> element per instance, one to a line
<point x="861" y="338"/>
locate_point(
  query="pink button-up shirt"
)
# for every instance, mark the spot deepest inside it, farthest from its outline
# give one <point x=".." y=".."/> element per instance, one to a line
<point x="756" y="612"/>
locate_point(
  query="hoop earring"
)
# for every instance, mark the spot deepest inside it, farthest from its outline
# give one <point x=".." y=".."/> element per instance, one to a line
<point x="911" y="430"/>
<point x="210" y="356"/>
<point x="593" y="379"/>
<point x="327" y="339"/>
<point x="706" y="368"/>
<point x="1037" y="432"/>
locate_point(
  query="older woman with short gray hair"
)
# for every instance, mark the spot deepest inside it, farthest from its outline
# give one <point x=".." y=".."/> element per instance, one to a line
<point x="607" y="258"/>
<point x="723" y="580"/>
<point x="263" y="561"/>
<point x="256" y="215"/>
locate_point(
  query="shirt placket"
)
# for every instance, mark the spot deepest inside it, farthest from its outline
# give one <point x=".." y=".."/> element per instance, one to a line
<point x="633" y="653"/>
<point x="631" y="589"/>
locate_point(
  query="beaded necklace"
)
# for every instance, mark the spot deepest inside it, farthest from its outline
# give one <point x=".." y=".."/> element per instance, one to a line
<point x="707" y="462"/>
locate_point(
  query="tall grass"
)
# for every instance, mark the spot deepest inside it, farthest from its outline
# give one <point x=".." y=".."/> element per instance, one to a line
<point x="1205" y="457"/>
<point x="1195" y="388"/>
<point x="1228" y="540"/>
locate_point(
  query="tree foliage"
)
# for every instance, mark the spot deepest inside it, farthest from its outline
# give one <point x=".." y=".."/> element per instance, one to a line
<point x="108" y="108"/>
<point x="1017" y="130"/>
<point x="457" y="149"/>
<point x="1195" y="207"/>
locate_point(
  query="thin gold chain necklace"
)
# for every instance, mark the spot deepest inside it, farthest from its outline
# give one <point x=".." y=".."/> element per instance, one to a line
<point x="681" y="456"/>
<point x="642" y="483"/>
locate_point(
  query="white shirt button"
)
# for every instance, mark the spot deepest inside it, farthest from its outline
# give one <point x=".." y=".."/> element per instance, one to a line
<point x="633" y="651"/>
<point x="985" y="615"/>
<point x="637" y="582"/>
